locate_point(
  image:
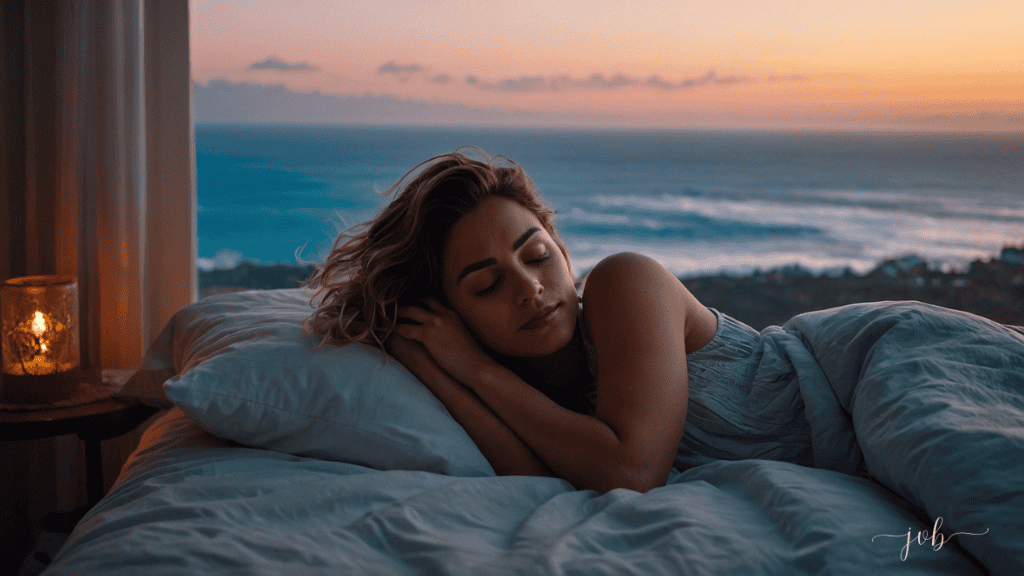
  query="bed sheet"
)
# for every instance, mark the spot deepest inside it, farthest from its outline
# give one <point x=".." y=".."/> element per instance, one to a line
<point x="190" y="503"/>
<point x="927" y="401"/>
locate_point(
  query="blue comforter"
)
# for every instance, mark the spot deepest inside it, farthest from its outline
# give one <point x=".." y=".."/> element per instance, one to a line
<point x="929" y="402"/>
<point x="917" y="416"/>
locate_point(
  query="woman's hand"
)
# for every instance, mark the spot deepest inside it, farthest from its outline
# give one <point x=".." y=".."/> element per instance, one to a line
<point x="506" y="452"/>
<point x="411" y="354"/>
<point x="445" y="337"/>
<point x="415" y="357"/>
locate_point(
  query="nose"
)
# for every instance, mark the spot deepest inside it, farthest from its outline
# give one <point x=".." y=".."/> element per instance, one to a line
<point x="530" y="287"/>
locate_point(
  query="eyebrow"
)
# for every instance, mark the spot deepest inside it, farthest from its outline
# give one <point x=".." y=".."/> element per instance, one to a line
<point x="491" y="261"/>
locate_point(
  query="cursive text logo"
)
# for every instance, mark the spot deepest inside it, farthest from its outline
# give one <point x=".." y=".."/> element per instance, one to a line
<point x="935" y="538"/>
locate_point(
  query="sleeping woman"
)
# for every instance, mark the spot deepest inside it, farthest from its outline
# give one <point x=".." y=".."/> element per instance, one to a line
<point x="463" y="278"/>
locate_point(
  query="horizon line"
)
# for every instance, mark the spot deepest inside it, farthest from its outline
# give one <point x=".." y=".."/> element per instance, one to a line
<point x="610" y="128"/>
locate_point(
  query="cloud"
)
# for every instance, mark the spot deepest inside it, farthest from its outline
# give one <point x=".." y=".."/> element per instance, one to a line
<point x="657" y="82"/>
<point x="598" y="81"/>
<point x="441" y="79"/>
<point x="558" y="83"/>
<point x="711" y="78"/>
<point x="402" y="71"/>
<point x="275" y="63"/>
<point x="521" y="84"/>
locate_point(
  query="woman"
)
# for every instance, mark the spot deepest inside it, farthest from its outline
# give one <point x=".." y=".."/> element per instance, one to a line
<point x="464" y="279"/>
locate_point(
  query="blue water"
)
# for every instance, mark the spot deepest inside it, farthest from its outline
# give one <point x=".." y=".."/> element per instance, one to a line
<point x="697" y="201"/>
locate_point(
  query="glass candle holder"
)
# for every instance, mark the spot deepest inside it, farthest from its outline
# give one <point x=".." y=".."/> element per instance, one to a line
<point x="40" y="338"/>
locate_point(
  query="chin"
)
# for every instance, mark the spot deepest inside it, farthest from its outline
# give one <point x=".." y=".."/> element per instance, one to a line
<point x="546" y="341"/>
<point x="547" y="344"/>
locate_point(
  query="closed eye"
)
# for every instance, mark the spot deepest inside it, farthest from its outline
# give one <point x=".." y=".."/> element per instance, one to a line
<point x="494" y="285"/>
<point x="543" y="258"/>
<point x="489" y="289"/>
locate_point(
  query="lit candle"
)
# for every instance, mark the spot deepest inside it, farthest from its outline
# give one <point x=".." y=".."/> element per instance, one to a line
<point x="38" y="327"/>
<point x="40" y="338"/>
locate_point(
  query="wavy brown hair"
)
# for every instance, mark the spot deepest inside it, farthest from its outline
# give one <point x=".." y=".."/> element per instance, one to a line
<point x="396" y="259"/>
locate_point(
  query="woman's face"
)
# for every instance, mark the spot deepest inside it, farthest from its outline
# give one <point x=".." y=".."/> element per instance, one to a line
<point x="508" y="281"/>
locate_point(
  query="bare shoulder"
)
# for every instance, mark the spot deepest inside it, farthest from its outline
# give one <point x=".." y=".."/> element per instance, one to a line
<point x="619" y="269"/>
<point x="626" y="287"/>
<point x="640" y="317"/>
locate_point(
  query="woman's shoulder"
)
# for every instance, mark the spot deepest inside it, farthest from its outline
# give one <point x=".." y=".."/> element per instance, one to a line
<point x="617" y="267"/>
<point x="625" y="271"/>
<point x="625" y="282"/>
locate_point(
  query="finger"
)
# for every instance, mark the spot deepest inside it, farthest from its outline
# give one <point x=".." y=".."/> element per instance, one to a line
<point x="414" y="313"/>
<point x="408" y="331"/>
<point x="399" y="345"/>
<point x="396" y="339"/>
<point x="434" y="305"/>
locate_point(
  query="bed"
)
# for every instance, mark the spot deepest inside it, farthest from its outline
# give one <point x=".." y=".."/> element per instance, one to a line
<point x="276" y="457"/>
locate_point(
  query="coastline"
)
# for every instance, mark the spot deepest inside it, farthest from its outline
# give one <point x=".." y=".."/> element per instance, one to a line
<point x="992" y="288"/>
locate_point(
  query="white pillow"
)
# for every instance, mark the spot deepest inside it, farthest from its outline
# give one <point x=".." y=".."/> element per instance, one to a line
<point x="241" y="366"/>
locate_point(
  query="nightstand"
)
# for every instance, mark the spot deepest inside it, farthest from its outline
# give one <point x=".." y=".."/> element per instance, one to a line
<point x="93" y="415"/>
<point x="100" y="419"/>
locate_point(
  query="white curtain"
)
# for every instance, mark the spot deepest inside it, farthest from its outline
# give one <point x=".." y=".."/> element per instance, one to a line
<point x="97" y="176"/>
<point x="105" y="187"/>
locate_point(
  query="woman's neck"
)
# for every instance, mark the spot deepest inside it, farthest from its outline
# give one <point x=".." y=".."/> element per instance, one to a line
<point x="565" y="369"/>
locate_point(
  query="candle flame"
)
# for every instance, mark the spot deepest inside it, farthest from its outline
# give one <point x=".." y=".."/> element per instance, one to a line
<point x="39" y="324"/>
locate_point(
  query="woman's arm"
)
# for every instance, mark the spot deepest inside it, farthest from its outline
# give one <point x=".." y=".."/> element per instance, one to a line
<point x="642" y="322"/>
<point x="505" y="451"/>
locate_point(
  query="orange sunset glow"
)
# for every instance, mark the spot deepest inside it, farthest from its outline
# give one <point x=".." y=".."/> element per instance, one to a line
<point x="875" y="64"/>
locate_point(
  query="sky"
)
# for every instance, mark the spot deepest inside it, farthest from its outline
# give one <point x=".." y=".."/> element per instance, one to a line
<point x="731" y="64"/>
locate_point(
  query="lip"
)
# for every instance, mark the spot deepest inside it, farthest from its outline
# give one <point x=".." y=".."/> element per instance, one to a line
<point x="541" y="318"/>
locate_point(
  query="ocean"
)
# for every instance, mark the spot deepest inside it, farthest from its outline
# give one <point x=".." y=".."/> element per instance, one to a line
<point x="699" y="202"/>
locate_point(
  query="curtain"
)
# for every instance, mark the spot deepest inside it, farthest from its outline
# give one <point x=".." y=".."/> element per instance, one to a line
<point x="98" y="164"/>
<point x="97" y="176"/>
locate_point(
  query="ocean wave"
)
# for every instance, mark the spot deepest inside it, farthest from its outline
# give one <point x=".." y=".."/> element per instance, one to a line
<point x="223" y="259"/>
<point x="936" y="205"/>
<point x="735" y="257"/>
<point x="873" y="224"/>
<point x="722" y="203"/>
<point x="643" y="224"/>
<point x="696" y="201"/>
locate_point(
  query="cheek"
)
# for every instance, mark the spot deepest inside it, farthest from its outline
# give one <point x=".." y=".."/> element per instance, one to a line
<point x="563" y="267"/>
<point x="486" y="322"/>
<point x="561" y="278"/>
